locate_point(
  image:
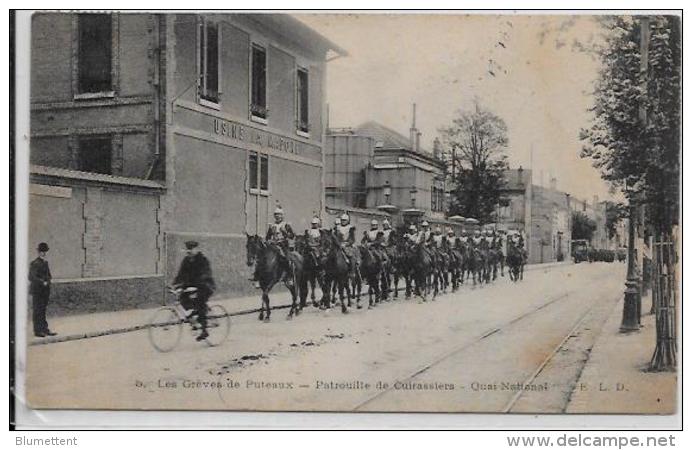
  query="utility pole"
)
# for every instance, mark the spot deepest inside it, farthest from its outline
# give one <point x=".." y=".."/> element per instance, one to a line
<point x="631" y="313"/>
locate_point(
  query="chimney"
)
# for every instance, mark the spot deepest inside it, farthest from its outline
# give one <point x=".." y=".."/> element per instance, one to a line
<point x="437" y="151"/>
<point x="595" y="201"/>
<point x="553" y="184"/>
<point x="413" y="131"/>
<point x="520" y="176"/>
<point x="418" y="134"/>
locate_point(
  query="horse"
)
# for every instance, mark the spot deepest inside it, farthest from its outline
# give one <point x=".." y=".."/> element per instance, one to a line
<point x="494" y="256"/>
<point x="314" y="270"/>
<point x="371" y="268"/>
<point x="439" y="266"/>
<point x="398" y="260"/>
<point x="515" y="262"/>
<point x="270" y="270"/>
<point x="476" y="262"/>
<point x="337" y="272"/>
<point x="456" y="264"/>
<point x="420" y="263"/>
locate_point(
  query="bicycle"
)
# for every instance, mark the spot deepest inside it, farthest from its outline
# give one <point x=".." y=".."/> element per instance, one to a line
<point x="166" y="323"/>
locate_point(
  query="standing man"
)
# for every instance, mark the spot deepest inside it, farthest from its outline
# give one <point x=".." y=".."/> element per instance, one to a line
<point x="40" y="277"/>
<point x="195" y="272"/>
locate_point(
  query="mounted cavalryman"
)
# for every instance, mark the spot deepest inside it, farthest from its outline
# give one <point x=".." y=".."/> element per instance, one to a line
<point x="464" y="238"/>
<point x="374" y="238"/>
<point x="451" y="238"/>
<point x="477" y="238"/>
<point x="281" y="236"/>
<point x="386" y="232"/>
<point x="280" y="232"/>
<point x="314" y="238"/>
<point x="424" y="234"/>
<point x="438" y="238"/>
<point x="346" y="236"/>
<point x="411" y="234"/>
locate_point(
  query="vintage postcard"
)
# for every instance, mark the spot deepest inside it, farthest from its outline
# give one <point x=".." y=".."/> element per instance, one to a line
<point x="378" y="212"/>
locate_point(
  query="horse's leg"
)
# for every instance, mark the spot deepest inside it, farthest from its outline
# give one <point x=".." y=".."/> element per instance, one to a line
<point x="343" y="285"/>
<point x="395" y="280"/>
<point x="261" y="314"/>
<point x="294" y="301"/>
<point x="265" y="306"/>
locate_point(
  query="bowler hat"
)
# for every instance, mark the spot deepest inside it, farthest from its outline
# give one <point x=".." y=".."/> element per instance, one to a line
<point x="42" y="247"/>
<point x="191" y="244"/>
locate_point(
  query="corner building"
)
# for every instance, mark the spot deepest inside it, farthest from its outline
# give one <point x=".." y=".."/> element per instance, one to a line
<point x="148" y="130"/>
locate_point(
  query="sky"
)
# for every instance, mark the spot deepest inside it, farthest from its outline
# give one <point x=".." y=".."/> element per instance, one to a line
<point x="523" y="68"/>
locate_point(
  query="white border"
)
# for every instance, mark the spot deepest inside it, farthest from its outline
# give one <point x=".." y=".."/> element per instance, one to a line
<point x="86" y="419"/>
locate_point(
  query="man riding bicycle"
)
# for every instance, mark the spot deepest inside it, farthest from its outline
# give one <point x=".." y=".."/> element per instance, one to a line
<point x="195" y="273"/>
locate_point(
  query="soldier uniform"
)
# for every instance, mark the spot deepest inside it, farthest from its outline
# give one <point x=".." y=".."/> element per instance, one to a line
<point x="412" y="234"/>
<point x="346" y="239"/>
<point x="314" y="238"/>
<point x="39" y="288"/>
<point x="280" y="232"/>
<point x="438" y="238"/>
<point x="451" y="238"/>
<point x="386" y="232"/>
<point x="374" y="238"/>
<point x="424" y="234"/>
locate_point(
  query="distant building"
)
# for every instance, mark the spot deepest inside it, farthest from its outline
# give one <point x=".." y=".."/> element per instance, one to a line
<point x="550" y="233"/>
<point x="148" y="130"/>
<point x="596" y="211"/>
<point x="373" y="167"/>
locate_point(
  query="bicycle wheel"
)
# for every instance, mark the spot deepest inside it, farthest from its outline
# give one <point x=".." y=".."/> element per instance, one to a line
<point x="165" y="329"/>
<point x="218" y="325"/>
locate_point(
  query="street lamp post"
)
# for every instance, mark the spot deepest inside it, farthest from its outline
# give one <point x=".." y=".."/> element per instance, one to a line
<point x="630" y="311"/>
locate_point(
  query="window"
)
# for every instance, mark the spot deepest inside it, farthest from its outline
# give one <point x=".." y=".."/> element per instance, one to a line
<point x="95" y="154"/>
<point x="302" y="124"/>
<point x="258" y="102"/>
<point x="95" y="47"/>
<point x="209" y="61"/>
<point x="258" y="168"/>
<point x="437" y="199"/>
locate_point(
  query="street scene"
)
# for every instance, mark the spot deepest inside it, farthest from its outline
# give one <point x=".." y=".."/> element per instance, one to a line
<point x="322" y="212"/>
<point x="490" y="349"/>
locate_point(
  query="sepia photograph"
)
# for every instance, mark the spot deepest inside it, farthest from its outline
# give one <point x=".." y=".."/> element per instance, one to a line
<point x="353" y="211"/>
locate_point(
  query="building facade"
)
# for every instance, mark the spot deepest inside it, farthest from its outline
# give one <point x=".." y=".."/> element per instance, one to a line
<point x="372" y="167"/>
<point x="148" y="130"/>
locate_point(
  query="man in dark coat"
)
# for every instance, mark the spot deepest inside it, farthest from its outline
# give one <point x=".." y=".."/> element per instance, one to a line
<point x="40" y="277"/>
<point x="195" y="271"/>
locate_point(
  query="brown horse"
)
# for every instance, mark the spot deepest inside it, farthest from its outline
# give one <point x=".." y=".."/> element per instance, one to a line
<point x="371" y="268"/>
<point x="271" y="268"/>
<point x="337" y="272"/>
<point x="314" y="266"/>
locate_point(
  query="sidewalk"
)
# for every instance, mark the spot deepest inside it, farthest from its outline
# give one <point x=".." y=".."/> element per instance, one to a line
<point x="82" y="326"/>
<point x="616" y="379"/>
<point x="100" y="324"/>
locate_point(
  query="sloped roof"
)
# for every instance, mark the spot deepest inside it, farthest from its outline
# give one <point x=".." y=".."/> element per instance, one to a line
<point x="381" y="133"/>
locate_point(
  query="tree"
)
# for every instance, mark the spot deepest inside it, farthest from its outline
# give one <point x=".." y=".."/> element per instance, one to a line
<point x="582" y="226"/>
<point x="615" y="212"/>
<point x="642" y="160"/>
<point x="477" y="140"/>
